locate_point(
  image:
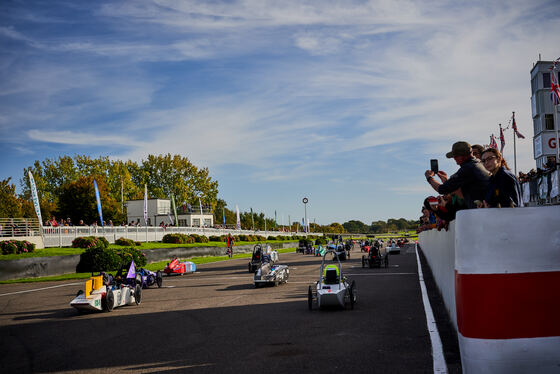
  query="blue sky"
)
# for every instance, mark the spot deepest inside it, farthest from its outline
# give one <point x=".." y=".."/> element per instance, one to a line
<point x="344" y="102"/>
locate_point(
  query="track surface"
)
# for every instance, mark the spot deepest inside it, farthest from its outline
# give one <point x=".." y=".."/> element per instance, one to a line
<point x="216" y="321"/>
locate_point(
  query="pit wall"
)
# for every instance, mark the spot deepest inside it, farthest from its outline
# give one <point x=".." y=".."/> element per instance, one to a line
<point x="35" y="267"/>
<point x="499" y="273"/>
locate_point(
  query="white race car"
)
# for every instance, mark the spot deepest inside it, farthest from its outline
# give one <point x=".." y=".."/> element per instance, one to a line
<point x="333" y="288"/>
<point x="104" y="294"/>
<point x="269" y="272"/>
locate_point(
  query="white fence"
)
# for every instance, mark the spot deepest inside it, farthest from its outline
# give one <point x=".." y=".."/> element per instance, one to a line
<point x="62" y="236"/>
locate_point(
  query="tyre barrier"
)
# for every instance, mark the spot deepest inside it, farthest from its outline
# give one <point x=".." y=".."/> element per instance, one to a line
<point x="507" y="289"/>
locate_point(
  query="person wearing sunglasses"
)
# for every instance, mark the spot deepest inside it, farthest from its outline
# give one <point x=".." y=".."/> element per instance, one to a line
<point x="504" y="190"/>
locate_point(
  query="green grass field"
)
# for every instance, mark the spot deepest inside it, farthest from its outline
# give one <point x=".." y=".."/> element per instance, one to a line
<point x="65" y="251"/>
<point x="153" y="267"/>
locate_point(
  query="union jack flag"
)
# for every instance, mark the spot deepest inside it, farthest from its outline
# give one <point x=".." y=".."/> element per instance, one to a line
<point x="493" y="143"/>
<point x="554" y="88"/>
<point x="502" y="139"/>
<point x="514" y="127"/>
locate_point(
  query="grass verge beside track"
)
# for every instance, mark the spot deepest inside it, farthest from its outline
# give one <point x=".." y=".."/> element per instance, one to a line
<point x="66" y="251"/>
<point x="153" y="267"/>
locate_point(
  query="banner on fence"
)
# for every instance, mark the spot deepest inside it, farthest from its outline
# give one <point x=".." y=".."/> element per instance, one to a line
<point x="98" y="202"/>
<point x="35" y="198"/>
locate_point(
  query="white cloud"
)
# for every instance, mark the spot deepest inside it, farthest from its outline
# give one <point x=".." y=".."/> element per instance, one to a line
<point x="81" y="138"/>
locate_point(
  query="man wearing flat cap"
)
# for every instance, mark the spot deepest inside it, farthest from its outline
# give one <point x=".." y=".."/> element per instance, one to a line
<point x="472" y="178"/>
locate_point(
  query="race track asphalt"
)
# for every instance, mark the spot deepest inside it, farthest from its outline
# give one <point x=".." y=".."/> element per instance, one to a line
<point x="216" y="321"/>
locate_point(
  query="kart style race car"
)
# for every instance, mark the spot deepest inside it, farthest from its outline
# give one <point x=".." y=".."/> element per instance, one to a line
<point x="374" y="258"/>
<point x="179" y="268"/>
<point x="392" y="248"/>
<point x="261" y="255"/>
<point x="338" y="250"/>
<point x="149" y="278"/>
<point x="271" y="274"/>
<point x="103" y="292"/>
<point x="332" y="288"/>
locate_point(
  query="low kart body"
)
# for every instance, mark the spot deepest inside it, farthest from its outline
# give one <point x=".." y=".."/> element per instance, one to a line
<point x="374" y="258"/>
<point x="150" y="278"/>
<point x="332" y="288"/>
<point x="175" y="267"/>
<point x="339" y="253"/>
<point x="262" y="254"/>
<point x="392" y="248"/>
<point x="104" y="293"/>
<point x="271" y="273"/>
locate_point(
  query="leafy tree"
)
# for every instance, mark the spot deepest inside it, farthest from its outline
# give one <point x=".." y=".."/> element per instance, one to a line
<point x="77" y="201"/>
<point x="9" y="203"/>
<point x="356" y="227"/>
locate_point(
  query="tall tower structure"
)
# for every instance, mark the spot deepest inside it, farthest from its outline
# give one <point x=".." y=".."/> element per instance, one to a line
<point x="545" y="142"/>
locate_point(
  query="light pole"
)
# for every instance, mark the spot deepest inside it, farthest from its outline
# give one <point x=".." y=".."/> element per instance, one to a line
<point x="305" y="226"/>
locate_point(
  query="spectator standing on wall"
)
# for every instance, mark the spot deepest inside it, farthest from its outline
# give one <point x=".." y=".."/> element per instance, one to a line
<point x="504" y="190"/>
<point x="471" y="178"/>
<point x="477" y="150"/>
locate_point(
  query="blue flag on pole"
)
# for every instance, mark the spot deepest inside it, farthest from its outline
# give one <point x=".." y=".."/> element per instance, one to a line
<point x="303" y="224"/>
<point x="98" y="202"/>
<point x="224" y="214"/>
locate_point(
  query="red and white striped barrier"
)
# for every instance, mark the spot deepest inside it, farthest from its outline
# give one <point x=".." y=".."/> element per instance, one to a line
<point x="507" y="290"/>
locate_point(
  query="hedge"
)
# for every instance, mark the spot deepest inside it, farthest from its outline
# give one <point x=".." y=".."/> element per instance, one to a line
<point x="90" y="242"/>
<point x="98" y="259"/>
<point x="9" y="247"/>
<point x="125" y="242"/>
<point x="177" y="239"/>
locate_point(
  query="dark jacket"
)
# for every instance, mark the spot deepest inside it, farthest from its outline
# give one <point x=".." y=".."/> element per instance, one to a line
<point x="503" y="190"/>
<point x="472" y="178"/>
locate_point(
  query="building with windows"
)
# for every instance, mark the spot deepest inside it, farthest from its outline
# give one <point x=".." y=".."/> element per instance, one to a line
<point x="159" y="210"/>
<point x="545" y="140"/>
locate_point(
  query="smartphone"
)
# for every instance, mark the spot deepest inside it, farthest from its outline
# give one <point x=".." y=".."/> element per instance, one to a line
<point x="434" y="166"/>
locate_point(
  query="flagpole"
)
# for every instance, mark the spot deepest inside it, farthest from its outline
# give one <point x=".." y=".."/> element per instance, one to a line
<point x="514" y="149"/>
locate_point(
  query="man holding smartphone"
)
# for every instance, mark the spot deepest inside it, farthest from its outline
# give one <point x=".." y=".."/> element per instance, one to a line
<point x="472" y="178"/>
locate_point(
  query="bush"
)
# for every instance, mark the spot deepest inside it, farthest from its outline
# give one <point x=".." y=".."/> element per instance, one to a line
<point x="261" y="238"/>
<point x="214" y="238"/>
<point x="129" y="254"/>
<point x="271" y="237"/>
<point x="125" y="242"/>
<point x="90" y="242"/>
<point x="242" y="238"/>
<point x="199" y="238"/>
<point x="177" y="239"/>
<point x="9" y="247"/>
<point x="96" y="259"/>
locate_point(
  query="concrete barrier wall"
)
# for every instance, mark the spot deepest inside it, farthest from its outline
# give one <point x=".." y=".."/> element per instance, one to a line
<point x="35" y="267"/>
<point x="506" y="279"/>
<point x="439" y="249"/>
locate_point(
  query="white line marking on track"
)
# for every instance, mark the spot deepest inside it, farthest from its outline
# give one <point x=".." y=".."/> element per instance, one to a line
<point x="440" y="366"/>
<point x="40" y="289"/>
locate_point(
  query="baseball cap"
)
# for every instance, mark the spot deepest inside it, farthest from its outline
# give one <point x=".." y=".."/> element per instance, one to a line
<point x="459" y="149"/>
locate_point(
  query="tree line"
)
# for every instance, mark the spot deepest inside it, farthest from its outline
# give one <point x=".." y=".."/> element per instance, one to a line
<point x="65" y="186"/>
<point x="378" y="227"/>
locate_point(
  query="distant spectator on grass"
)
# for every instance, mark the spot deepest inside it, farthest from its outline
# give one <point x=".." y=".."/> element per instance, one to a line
<point x="504" y="190"/>
<point x="471" y="178"/>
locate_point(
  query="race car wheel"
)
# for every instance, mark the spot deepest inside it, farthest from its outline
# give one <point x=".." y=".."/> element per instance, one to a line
<point x="363" y="262"/>
<point x="310" y="298"/>
<point x="371" y="264"/>
<point x="109" y="302"/>
<point x="250" y="268"/>
<point x="137" y="294"/>
<point x="386" y="261"/>
<point x="352" y="292"/>
<point x="138" y="279"/>
<point x="79" y="293"/>
<point x="159" y="278"/>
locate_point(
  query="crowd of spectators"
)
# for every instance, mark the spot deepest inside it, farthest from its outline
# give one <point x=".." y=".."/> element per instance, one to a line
<point x="483" y="180"/>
